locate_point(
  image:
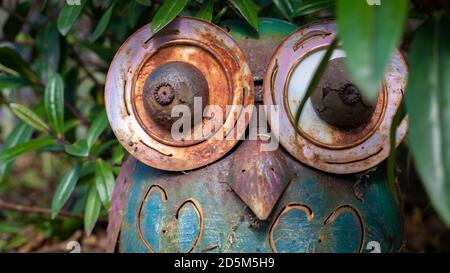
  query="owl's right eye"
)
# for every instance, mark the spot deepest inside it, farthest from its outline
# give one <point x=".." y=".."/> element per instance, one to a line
<point x="338" y="130"/>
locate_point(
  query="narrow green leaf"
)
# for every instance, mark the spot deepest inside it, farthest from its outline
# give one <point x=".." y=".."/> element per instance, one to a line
<point x="206" y="11"/>
<point x="20" y="134"/>
<point x="68" y="16"/>
<point x="427" y="102"/>
<point x="12" y="60"/>
<point x="49" y="52"/>
<point x="29" y="117"/>
<point x="54" y="103"/>
<point x="103" y="23"/>
<point x="92" y="210"/>
<point x="316" y="78"/>
<point x="166" y="13"/>
<point x="98" y="126"/>
<point x="80" y="148"/>
<point x="104" y="181"/>
<point x="286" y="8"/>
<point x="370" y="33"/>
<point x="393" y="152"/>
<point x="247" y="9"/>
<point x="312" y="6"/>
<point x="118" y="155"/>
<point x="12" y="82"/>
<point x="135" y="10"/>
<point x="32" y="145"/>
<point x="65" y="188"/>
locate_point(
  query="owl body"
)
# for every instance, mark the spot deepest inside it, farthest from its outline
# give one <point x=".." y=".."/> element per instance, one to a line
<point x="246" y="199"/>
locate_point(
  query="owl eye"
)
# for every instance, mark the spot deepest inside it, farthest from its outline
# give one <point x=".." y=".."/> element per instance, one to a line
<point x="338" y="131"/>
<point x="184" y="68"/>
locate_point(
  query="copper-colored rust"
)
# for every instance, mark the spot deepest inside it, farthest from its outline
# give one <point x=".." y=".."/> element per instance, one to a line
<point x="221" y="62"/>
<point x="259" y="178"/>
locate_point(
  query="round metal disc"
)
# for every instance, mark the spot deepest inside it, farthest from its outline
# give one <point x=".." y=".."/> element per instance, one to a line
<point x="317" y="143"/>
<point x="216" y="59"/>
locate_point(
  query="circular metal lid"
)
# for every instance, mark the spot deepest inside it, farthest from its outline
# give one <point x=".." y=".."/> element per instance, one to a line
<point x="319" y="141"/>
<point x="152" y="73"/>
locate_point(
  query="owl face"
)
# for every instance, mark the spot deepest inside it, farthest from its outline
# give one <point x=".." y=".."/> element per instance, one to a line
<point x="228" y="188"/>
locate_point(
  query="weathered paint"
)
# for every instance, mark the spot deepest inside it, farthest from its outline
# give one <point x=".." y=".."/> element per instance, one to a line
<point x="317" y="212"/>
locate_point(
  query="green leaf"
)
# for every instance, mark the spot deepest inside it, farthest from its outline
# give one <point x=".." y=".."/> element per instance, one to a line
<point x="104" y="181"/>
<point x="29" y="117"/>
<point x="12" y="82"/>
<point x="393" y="152"/>
<point x="166" y="13"/>
<point x="68" y="16"/>
<point x="427" y="102"/>
<point x="147" y="3"/>
<point x="312" y="6"/>
<point x="32" y="145"/>
<point x="316" y="78"/>
<point x="49" y="52"/>
<point x="54" y="103"/>
<point x="286" y="8"/>
<point x="80" y="148"/>
<point x="118" y="155"/>
<point x="20" y="134"/>
<point x="103" y="23"/>
<point x="98" y="126"/>
<point x="370" y="34"/>
<point x="135" y="10"/>
<point x="65" y="188"/>
<point x="12" y="60"/>
<point x="92" y="210"/>
<point x="247" y="9"/>
<point x="206" y="11"/>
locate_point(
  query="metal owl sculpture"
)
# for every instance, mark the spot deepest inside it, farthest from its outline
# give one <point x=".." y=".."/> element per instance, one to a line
<point x="233" y="188"/>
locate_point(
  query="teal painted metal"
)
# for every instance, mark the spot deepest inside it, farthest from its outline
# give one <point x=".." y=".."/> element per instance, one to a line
<point x="200" y="212"/>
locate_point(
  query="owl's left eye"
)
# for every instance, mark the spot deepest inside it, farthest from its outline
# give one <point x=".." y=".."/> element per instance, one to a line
<point x="338" y="130"/>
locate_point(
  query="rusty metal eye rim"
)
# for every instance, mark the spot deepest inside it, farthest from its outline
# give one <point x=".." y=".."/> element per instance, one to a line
<point x="169" y="44"/>
<point x="344" y="160"/>
<point x="120" y="83"/>
<point x="379" y="117"/>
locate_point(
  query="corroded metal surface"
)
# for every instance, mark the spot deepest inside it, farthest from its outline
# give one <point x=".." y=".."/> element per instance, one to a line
<point x="259" y="47"/>
<point x="198" y="211"/>
<point x="317" y="143"/>
<point x="221" y="62"/>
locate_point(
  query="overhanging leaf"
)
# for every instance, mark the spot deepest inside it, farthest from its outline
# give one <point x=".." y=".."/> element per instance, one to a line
<point x="311" y="6"/>
<point x="316" y="78"/>
<point x="370" y="34"/>
<point x="65" y="188"/>
<point x="12" y="82"/>
<point x="428" y="105"/>
<point x="166" y="13"/>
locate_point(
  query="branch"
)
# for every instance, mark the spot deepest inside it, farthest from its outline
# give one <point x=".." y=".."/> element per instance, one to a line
<point x="77" y="59"/>
<point x="43" y="211"/>
<point x="77" y="114"/>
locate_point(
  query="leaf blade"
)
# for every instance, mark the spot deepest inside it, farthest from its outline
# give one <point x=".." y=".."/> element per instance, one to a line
<point x="166" y="13"/>
<point x="103" y="23"/>
<point x="206" y="11"/>
<point x="68" y="16"/>
<point x="29" y="117"/>
<point x="105" y="182"/>
<point x="64" y="189"/>
<point x="54" y="103"/>
<point x="92" y="210"/>
<point x="247" y="9"/>
<point x="32" y="145"/>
